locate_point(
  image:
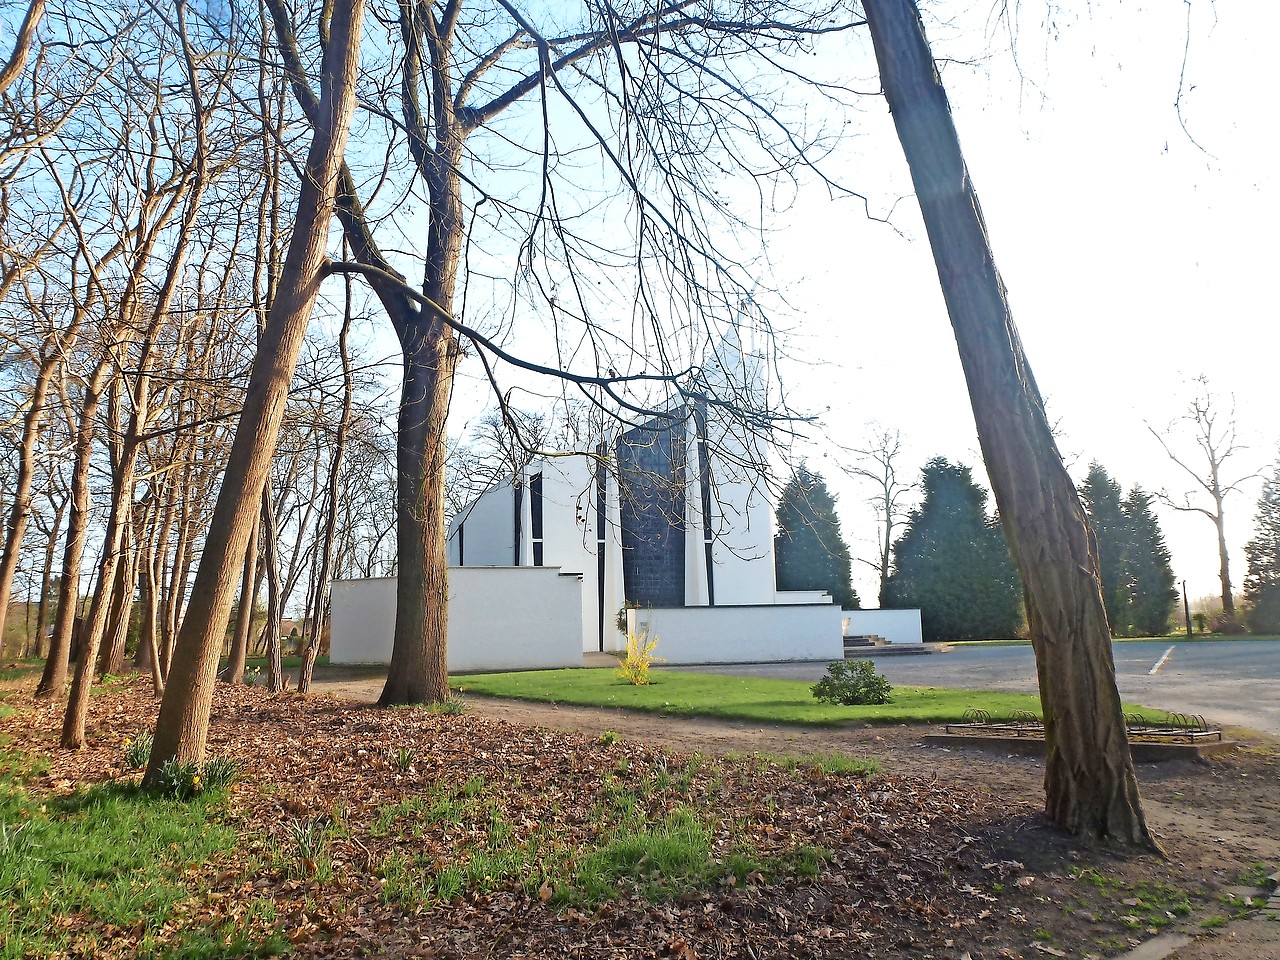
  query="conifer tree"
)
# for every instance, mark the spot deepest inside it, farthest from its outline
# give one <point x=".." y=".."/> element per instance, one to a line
<point x="809" y="551"/>
<point x="1148" y="569"/>
<point x="1133" y="560"/>
<point x="953" y="562"/>
<point x="1262" y="582"/>
<point x="1102" y="499"/>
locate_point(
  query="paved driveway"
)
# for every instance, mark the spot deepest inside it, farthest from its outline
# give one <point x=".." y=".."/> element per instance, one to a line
<point x="1229" y="682"/>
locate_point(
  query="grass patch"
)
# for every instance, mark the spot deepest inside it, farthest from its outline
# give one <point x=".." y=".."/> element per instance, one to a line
<point x="1144" y="904"/>
<point x="19" y="669"/>
<point x="827" y="764"/>
<point x="754" y="699"/>
<point x="107" y="856"/>
<point x="1257" y="874"/>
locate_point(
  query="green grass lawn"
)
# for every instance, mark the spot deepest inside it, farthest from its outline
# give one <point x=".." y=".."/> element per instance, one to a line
<point x="755" y="699"/>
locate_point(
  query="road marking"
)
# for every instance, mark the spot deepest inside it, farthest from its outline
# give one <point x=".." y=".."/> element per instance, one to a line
<point x="1161" y="662"/>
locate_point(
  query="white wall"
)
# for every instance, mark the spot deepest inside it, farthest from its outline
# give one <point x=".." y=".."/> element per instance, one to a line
<point x="899" y="626"/>
<point x="500" y="618"/>
<point x="749" y="634"/>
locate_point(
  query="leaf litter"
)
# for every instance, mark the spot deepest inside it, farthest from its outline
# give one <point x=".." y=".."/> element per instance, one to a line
<point x="466" y="836"/>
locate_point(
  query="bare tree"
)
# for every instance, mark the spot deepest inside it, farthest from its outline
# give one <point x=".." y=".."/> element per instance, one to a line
<point x="1090" y="784"/>
<point x="673" y="102"/>
<point x="1213" y="433"/>
<point x="182" y="727"/>
<point x="880" y="458"/>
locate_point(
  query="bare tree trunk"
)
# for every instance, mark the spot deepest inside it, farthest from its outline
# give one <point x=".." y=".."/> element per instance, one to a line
<point x="1224" y="564"/>
<point x="324" y="563"/>
<point x="20" y="509"/>
<point x="419" y="670"/>
<point x="111" y="656"/>
<point x="22" y="47"/>
<point x="233" y="673"/>
<point x="182" y="728"/>
<point x="148" y="658"/>
<point x="271" y="629"/>
<point x="1090" y="785"/>
<point x="46" y="579"/>
<point x="54" y="677"/>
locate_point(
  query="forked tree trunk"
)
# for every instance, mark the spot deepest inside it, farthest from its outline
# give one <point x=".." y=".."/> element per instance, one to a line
<point x="183" y="726"/>
<point x="1090" y="785"/>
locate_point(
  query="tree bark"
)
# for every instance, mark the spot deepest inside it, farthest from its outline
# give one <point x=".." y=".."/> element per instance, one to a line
<point x="324" y="564"/>
<point x="46" y="580"/>
<point x="419" y="671"/>
<point x="54" y="677"/>
<point x="22" y="45"/>
<point x="20" y="509"/>
<point x="1224" y="564"/>
<point x="183" y="724"/>
<point x="233" y="672"/>
<point x="271" y="562"/>
<point x="1090" y="785"/>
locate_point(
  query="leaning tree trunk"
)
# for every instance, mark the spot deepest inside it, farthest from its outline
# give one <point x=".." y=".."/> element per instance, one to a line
<point x="1090" y="785"/>
<point x="183" y="726"/>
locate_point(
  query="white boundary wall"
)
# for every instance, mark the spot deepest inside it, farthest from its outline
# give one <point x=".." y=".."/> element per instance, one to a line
<point x="500" y="618"/>
<point x="746" y="634"/>
<point x="896" y="626"/>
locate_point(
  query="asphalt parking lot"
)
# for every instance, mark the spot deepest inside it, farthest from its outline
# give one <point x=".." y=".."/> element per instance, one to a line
<point x="1229" y="682"/>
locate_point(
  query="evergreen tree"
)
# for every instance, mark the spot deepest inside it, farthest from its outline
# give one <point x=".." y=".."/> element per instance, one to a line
<point x="1103" y="500"/>
<point x="1262" y="582"/>
<point x="809" y="551"/>
<point x="1148" y="569"/>
<point x="1137" y="574"/>
<point x="953" y="562"/>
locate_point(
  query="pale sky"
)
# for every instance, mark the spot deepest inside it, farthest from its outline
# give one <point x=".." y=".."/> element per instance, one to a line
<point x="1137" y="248"/>
<point x="1138" y="255"/>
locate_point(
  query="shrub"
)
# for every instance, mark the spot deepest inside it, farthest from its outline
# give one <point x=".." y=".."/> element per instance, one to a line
<point x="853" y="683"/>
<point x="639" y="657"/>
<point x="1227" y="624"/>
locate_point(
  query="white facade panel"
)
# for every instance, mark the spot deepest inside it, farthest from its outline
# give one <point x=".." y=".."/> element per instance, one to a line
<point x="750" y="634"/>
<point x="500" y="618"/>
<point x="487" y="537"/>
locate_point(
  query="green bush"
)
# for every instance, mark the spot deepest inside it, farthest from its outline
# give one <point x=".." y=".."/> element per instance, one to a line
<point x="853" y="683"/>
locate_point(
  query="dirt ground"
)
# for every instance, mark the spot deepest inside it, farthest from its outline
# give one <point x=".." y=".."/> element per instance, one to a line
<point x="1216" y="819"/>
<point x="943" y="856"/>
